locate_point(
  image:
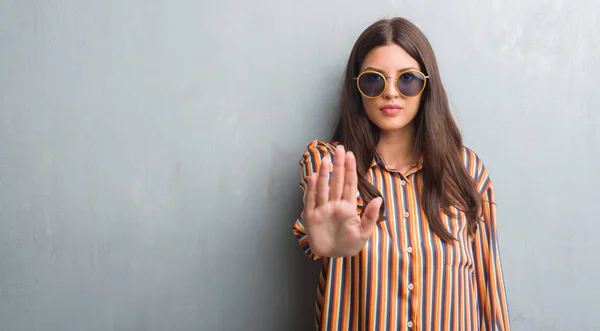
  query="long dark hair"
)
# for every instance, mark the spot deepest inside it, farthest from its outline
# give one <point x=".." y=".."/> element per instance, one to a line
<point x="445" y="179"/>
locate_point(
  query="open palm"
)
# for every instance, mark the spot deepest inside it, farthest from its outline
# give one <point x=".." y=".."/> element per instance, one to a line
<point x="333" y="227"/>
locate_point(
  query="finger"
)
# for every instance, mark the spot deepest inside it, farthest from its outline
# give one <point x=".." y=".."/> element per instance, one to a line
<point x="370" y="216"/>
<point x="350" y="179"/>
<point x="323" y="182"/>
<point x="336" y="186"/>
<point x="310" y="200"/>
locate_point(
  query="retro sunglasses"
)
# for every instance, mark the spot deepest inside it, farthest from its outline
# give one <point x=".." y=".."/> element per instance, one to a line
<point x="409" y="83"/>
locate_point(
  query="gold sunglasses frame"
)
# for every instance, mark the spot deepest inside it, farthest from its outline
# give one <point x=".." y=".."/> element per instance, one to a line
<point x="385" y="79"/>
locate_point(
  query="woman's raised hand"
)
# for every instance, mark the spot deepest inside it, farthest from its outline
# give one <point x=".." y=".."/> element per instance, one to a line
<point x="333" y="227"/>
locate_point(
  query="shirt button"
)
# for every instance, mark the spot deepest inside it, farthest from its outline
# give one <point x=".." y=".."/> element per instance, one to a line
<point x="409" y="249"/>
<point x="406" y="214"/>
<point x="409" y="324"/>
<point x="403" y="182"/>
<point x="411" y="286"/>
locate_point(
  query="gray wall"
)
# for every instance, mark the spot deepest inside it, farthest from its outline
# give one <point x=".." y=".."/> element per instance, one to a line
<point x="148" y="154"/>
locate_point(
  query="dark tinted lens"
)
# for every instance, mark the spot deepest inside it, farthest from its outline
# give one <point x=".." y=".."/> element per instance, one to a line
<point x="371" y="84"/>
<point x="410" y="83"/>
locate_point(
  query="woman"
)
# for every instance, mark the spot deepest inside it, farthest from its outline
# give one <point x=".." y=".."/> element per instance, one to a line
<point x="400" y="212"/>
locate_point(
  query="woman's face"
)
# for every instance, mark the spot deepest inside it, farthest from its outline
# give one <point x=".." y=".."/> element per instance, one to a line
<point x="390" y="111"/>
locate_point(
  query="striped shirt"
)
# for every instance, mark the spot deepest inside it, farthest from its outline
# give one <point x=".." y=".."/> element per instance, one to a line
<point x="407" y="278"/>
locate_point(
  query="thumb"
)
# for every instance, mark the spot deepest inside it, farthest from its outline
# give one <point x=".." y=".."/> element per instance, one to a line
<point x="370" y="216"/>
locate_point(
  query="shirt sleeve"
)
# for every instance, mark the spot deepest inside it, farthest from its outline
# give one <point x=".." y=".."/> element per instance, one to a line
<point x="310" y="163"/>
<point x="493" y="308"/>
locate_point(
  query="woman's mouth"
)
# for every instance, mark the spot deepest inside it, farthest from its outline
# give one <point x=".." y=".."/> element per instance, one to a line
<point x="391" y="109"/>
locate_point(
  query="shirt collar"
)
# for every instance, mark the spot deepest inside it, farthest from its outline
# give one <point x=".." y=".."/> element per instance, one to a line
<point x="378" y="160"/>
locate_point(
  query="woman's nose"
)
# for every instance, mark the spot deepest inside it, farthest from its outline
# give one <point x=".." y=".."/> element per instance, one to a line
<point x="390" y="91"/>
